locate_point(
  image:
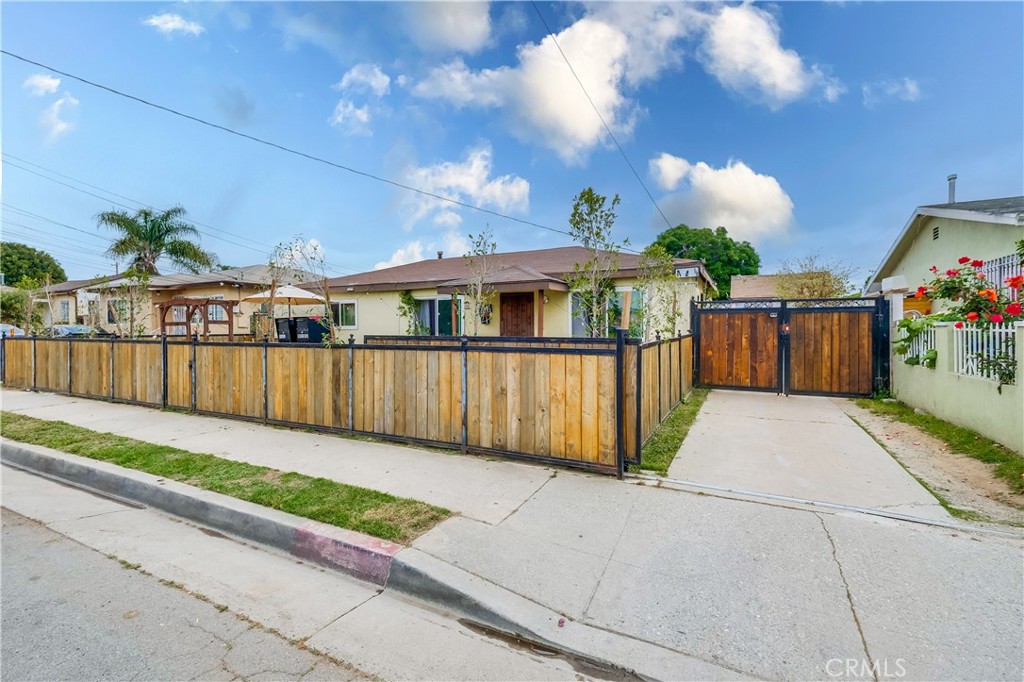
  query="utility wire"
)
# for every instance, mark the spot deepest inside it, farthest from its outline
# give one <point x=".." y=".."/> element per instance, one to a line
<point x="288" y="150"/>
<point x="266" y="248"/>
<point x="598" y="112"/>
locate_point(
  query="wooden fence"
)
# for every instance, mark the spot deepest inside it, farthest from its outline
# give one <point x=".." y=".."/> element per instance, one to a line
<point x="591" y="405"/>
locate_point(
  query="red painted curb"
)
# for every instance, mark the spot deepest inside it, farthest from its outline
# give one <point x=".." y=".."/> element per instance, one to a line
<point x="362" y="556"/>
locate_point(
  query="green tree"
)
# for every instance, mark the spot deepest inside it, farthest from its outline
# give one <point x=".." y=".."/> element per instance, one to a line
<point x="723" y="256"/>
<point x="147" y="236"/>
<point x="590" y="225"/>
<point x="18" y="261"/>
<point x="479" y="293"/>
<point x="814" y="277"/>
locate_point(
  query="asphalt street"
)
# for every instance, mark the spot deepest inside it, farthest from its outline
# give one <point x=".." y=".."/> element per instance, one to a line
<point x="70" y="613"/>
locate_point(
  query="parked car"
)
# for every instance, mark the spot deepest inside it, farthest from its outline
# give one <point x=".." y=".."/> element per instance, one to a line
<point x="9" y="330"/>
<point x="76" y="331"/>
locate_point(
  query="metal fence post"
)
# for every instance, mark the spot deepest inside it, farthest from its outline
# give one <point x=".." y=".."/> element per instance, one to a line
<point x="639" y="400"/>
<point x="695" y="343"/>
<point x="69" y="367"/>
<point x="266" y="404"/>
<point x="351" y="388"/>
<point x="192" y="375"/>
<point x="682" y="389"/>
<point x="33" y="362"/>
<point x="163" y="368"/>
<point x="111" y="372"/>
<point x="465" y="394"/>
<point x="620" y="402"/>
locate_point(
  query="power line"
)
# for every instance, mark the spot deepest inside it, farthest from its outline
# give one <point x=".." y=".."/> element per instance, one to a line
<point x="264" y="251"/>
<point x="288" y="150"/>
<point x="598" y="112"/>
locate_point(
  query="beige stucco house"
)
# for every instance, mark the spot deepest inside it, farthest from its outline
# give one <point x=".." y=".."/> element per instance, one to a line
<point x="529" y="296"/>
<point x="939" y="234"/>
<point x="103" y="301"/>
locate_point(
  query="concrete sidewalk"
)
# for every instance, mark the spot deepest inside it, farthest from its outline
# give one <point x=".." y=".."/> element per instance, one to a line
<point x="760" y="589"/>
<point x="800" y="446"/>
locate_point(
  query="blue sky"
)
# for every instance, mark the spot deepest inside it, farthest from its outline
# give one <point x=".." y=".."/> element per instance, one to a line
<point x="803" y="127"/>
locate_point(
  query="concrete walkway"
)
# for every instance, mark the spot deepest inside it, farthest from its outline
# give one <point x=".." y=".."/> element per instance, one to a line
<point x="762" y="590"/>
<point x="800" y="446"/>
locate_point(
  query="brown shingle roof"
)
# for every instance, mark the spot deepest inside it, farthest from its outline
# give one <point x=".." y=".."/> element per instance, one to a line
<point x="552" y="263"/>
<point x="754" y="286"/>
<point x="76" y="284"/>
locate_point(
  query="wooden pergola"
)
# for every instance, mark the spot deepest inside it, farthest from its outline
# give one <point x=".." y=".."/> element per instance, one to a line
<point x="201" y="306"/>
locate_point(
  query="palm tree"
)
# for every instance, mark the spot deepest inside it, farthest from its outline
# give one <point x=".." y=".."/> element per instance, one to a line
<point x="147" y="236"/>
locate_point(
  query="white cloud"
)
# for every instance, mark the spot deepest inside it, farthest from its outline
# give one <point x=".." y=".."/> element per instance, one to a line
<point x="905" y="89"/>
<point x="40" y="84"/>
<point x="453" y="243"/>
<point x="748" y="204"/>
<point x="610" y="49"/>
<point x="51" y="120"/>
<point x="308" y="28"/>
<point x="173" y="23"/>
<point x="742" y="50"/>
<point x="351" y="119"/>
<point x="455" y="26"/>
<point x="668" y="170"/>
<point x="365" y="77"/>
<point x="468" y="181"/>
<point x="410" y="253"/>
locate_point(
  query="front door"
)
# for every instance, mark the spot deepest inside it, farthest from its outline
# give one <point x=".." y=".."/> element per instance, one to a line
<point x="517" y="314"/>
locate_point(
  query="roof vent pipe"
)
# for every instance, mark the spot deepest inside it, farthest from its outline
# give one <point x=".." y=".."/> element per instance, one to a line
<point x="952" y="188"/>
<point x="440" y="255"/>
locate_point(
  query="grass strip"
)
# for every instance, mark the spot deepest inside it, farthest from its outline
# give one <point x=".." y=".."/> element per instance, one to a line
<point x="1009" y="466"/>
<point x="661" y="448"/>
<point x="346" y="506"/>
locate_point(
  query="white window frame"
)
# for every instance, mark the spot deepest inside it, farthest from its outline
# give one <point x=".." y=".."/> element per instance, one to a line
<point x="355" y="312"/>
<point x="64" y="310"/>
<point x="437" y="320"/>
<point x="217" y="313"/>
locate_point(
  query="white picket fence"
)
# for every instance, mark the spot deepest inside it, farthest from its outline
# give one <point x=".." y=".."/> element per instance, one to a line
<point x="922" y="343"/>
<point x="972" y="343"/>
<point x="998" y="270"/>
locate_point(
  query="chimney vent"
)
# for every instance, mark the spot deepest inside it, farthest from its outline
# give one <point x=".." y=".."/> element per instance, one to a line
<point x="952" y="188"/>
<point x="440" y="255"/>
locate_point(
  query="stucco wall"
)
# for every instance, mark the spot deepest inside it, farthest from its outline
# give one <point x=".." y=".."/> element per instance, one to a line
<point x="968" y="401"/>
<point x="956" y="238"/>
<point x="377" y="312"/>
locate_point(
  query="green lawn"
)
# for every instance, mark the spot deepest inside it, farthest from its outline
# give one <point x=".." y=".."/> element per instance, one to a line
<point x="661" y="448"/>
<point x="1009" y="465"/>
<point x="346" y="506"/>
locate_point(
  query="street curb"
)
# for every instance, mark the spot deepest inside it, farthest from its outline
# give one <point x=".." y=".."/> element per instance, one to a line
<point x="362" y="556"/>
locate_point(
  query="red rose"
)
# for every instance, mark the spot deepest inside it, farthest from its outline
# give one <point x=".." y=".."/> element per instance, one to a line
<point x="1013" y="308"/>
<point x="1015" y="282"/>
<point x="959" y="325"/>
<point x="920" y="292"/>
<point x="997" y="318"/>
<point x="977" y="263"/>
<point x="952" y="273"/>
<point x="972" y="316"/>
<point x="933" y="269"/>
<point x="964" y="259"/>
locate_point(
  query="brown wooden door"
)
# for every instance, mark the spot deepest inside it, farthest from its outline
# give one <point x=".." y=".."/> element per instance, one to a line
<point x="830" y="352"/>
<point x="517" y="314"/>
<point x="739" y="349"/>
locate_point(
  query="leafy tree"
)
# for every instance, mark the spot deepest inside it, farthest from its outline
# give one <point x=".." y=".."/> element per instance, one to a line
<point x="478" y="292"/>
<point x="813" y="277"/>
<point x="15" y="307"/>
<point x="723" y="256"/>
<point x="303" y="259"/>
<point x="131" y="304"/>
<point x="660" y="310"/>
<point x="20" y="260"/>
<point x="590" y="225"/>
<point x="148" y="235"/>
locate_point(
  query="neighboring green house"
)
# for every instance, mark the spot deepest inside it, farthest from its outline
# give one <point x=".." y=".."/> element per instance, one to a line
<point x="530" y="296"/>
<point x="939" y="234"/>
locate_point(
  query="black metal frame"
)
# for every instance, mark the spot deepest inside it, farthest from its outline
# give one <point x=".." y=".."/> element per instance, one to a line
<point x="784" y="309"/>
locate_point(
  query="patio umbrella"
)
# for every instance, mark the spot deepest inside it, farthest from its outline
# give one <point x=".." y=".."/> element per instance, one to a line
<point x="291" y="294"/>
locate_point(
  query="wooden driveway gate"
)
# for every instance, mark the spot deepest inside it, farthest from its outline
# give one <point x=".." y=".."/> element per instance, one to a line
<point x="804" y="347"/>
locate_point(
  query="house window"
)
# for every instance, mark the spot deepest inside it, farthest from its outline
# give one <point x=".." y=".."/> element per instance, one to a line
<point x="935" y="232"/>
<point x="435" y="317"/>
<point x="217" y="313"/>
<point x="636" y="312"/>
<point x="344" y="314"/>
<point x="116" y="310"/>
<point x="64" y="311"/>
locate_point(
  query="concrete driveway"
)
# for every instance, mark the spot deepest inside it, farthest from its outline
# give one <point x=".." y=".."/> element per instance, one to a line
<point x="800" y="446"/>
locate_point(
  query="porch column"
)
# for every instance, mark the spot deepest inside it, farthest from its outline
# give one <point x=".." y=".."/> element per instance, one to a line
<point x="540" y="313"/>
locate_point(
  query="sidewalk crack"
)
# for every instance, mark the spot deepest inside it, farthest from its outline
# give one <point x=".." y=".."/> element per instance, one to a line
<point x="849" y="598"/>
<point x="523" y="503"/>
<point x="618" y="540"/>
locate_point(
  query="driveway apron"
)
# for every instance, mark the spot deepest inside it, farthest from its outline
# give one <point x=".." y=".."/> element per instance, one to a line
<point x="800" y="446"/>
